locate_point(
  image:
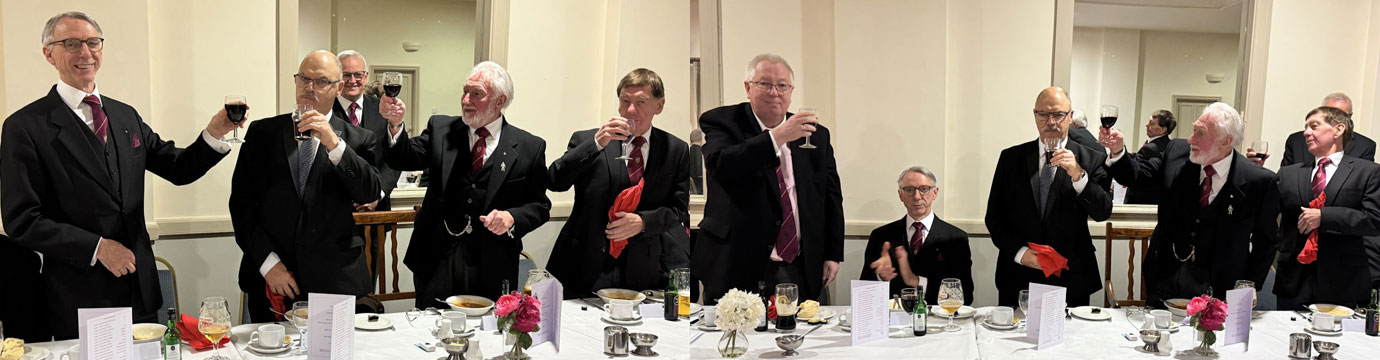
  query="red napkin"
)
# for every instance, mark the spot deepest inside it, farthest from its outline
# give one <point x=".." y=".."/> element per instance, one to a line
<point x="1050" y="260"/>
<point x="626" y="202"/>
<point x="188" y="328"/>
<point x="1310" y="248"/>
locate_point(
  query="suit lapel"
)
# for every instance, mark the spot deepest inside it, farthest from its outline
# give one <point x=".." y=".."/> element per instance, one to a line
<point x="618" y="169"/>
<point x="1235" y="182"/>
<point x="501" y="159"/>
<point x="457" y="140"/>
<point x="1305" y="182"/>
<point x="1335" y="185"/>
<point x="73" y="137"/>
<point x="290" y="147"/>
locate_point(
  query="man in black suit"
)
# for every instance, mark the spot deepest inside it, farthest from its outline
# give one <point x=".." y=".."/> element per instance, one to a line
<point x="1078" y="132"/>
<point x="1217" y="216"/>
<point x="1159" y="127"/>
<point x="291" y="200"/>
<point x="775" y="210"/>
<point x="919" y="249"/>
<point x="1338" y="272"/>
<point x="1296" y="148"/>
<point x="72" y="182"/>
<point x="362" y="110"/>
<point x="488" y="192"/>
<point x="654" y="234"/>
<point x="1043" y="192"/>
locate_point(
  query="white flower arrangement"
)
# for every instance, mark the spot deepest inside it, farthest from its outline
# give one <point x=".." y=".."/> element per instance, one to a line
<point x="738" y="311"/>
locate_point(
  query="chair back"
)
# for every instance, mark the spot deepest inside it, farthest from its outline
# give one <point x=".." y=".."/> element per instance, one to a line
<point x="382" y="226"/>
<point x="167" y="285"/>
<point x="1131" y="235"/>
<point x="525" y="264"/>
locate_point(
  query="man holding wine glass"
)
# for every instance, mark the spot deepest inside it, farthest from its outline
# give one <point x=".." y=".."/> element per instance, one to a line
<point x="362" y="110"/>
<point x="1161" y="124"/>
<point x="1296" y="147"/>
<point x="72" y="182"/>
<point x="488" y="190"/>
<point x="292" y="198"/>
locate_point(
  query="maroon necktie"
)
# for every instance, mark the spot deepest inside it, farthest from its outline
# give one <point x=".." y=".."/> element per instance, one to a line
<point x="917" y="240"/>
<point x="1207" y="186"/>
<point x="97" y="116"/>
<point x="354" y="119"/>
<point x="477" y="152"/>
<point x="787" y="241"/>
<point x="635" y="165"/>
<point x="1320" y="180"/>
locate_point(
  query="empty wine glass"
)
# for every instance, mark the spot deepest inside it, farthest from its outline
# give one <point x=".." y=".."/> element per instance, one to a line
<point x="1247" y="284"/>
<point x="812" y="114"/>
<point x="299" y="318"/>
<point x="214" y="323"/>
<point x="1109" y="115"/>
<point x="1024" y="303"/>
<point x="951" y="299"/>
<point x="235" y="107"/>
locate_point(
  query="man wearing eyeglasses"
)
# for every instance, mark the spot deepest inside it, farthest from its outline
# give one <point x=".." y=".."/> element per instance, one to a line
<point x="775" y="209"/>
<point x="72" y="170"/>
<point x="1043" y="193"/>
<point x="362" y="110"/>
<point x="292" y="199"/>
<point x="919" y="249"/>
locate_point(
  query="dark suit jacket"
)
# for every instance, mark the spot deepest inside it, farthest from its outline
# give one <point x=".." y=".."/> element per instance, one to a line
<point x="598" y="178"/>
<point x="1296" y="149"/>
<point x="371" y="120"/>
<point x="743" y="215"/>
<point x="519" y="187"/>
<point x="1147" y="193"/>
<point x="945" y="254"/>
<point x="1014" y="220"/>
<point x="312" y="232"/>
<point x="1242" y="218"/>
<point x="58" y="199"/>
<point x="1084" y="137"/>
<point x="1341" y="274"/>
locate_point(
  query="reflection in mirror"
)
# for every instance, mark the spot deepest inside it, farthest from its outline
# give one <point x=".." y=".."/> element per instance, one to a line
<point x="1146" y="57"/>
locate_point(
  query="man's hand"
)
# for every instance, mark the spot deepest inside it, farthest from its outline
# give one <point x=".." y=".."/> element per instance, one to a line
<point x="1112" y="139"/>
<point x="116" y="257"/>
<point x="903" y="260"/>
<point x="280" y="281"/>
<point x="220" y="124"/>
<point x="627" y="226"/>
<point x="320" y="127"/>
<point x="1309" y="220"/>
<point x="498" y="222"/>
<point x="1064" y="158"/>
<point x="392" y="109"/>
<point x="366" y="207"/>
<point x="831" y="269"/>
<point x="798" y="126"/>
<point x="883" y="268"/>
<point x="616" y="128"/>
<point x="1255" y="157"/>
<point x="1029" y="260"/>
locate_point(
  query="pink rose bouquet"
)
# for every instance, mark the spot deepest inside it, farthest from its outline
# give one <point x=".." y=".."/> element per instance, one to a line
<point x="1208" y="314"/>
<point x="519" y="314"/>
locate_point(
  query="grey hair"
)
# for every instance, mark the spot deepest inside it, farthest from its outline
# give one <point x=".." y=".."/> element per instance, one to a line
<point x="1080" y="119"/>
<point x="767" y="57"/>
<point x="496" y="78"/>
<point x="920" y="170"/>
<point x="52" y="23"/>
<point x="1337" y="96"/>
<point x="349" y="54"/>
<point x="1228" y="121"/>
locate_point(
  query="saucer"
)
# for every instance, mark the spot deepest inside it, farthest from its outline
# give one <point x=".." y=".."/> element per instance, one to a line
<point x="633" y="321"/>
<point x="1173" y="327"/>
<point x="993" y="326"/>
<point x="1313" y="331"/>
<point x="848" y="328"/>
<point x="35" y="353"/>
<point x="264" y="350"/>
<point x="710" y="327"/>
<point x="463" y="334"/>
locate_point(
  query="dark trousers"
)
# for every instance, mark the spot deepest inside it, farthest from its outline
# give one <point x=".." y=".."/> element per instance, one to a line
<point x="456" y="273"/>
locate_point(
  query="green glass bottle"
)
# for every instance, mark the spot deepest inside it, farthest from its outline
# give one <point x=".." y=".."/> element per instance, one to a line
<point x="920" y="316"/>
<point x="172" y="342"/>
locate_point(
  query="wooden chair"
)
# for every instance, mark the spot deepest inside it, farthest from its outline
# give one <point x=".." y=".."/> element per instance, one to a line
<point x="1131" y="235"/>
<point x="383" y="226"/>
<point x="167" y="286"/>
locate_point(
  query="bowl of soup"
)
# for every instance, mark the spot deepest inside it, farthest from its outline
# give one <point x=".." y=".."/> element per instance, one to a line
<point x="148" y="332"/>
<point x="620" y="294"/>
<point x="470" y="305"/>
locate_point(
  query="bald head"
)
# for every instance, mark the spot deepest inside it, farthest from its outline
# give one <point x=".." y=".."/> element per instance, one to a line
<point x="1052" y="116"/>
<point x="319" y="67"/>
<point x="1053" y="95"/>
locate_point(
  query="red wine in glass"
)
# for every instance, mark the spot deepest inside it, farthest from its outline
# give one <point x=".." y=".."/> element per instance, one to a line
<point x="1109" y="115"/>
<point x="392" y="90"/>
<point x="1108" y="121"/>
<point x="235" y="107"/>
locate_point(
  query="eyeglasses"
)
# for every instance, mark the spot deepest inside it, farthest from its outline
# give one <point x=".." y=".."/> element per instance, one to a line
<point x="1051" y="114"/>
<point x="781" y="88"/>
<point x="303" y="81"/>
<point x="357" y="75"/>
<point x="911" y="190"/>
<point x="74" y="44"/>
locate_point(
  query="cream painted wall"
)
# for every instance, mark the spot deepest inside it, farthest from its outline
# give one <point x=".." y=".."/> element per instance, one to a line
<point x="654" y="35"/>
<point x="1105" y="70"/>
<point x="445" y="28"/>
<point x="1176" y="63"/>
<point x="314" y="19"/>
<point x="754" y="27"/>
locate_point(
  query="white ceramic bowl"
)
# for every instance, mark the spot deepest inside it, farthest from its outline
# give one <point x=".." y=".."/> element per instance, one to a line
<point x="153" y="332"/>
<point x="1342" y="312"/>
<point x="624" y="294"/>
<point x="470" y="311"/>
<point x="1178" y="307"/>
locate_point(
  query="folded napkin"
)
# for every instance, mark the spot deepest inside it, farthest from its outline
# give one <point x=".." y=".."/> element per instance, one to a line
<point x="188" y="328"/>
<point x="1050" y="260"/>
<point x="626" y="203"/>
<point x="1310" y="248"/>
<point x="276" y="301"/>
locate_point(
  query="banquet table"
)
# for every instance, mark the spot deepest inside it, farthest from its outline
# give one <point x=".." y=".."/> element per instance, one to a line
<point x="581" y="338"/>
<point x="1083" y="339"/>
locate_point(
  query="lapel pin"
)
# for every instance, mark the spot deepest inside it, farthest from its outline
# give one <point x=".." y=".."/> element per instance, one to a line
<point x="502" y="167"/>
<point x="1228" y="209"/>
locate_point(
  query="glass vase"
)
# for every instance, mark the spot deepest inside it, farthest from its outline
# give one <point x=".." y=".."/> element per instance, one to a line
<point x="733" y="344"/>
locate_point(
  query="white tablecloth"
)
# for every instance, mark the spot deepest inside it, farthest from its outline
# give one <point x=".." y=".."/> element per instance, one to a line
<point x="831" y="342"/>
<point x="582" y="337"/>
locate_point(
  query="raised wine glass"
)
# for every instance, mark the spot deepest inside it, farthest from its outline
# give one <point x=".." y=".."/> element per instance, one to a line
<point x="214" y="323"/>
<point x="951" y="299"/>
<point x="392" y="85"/>
<point x="297" y="118"/>
<point x="626" y="144"/>
<point x="1262" y="149"/>
<point x="1109" y="115"/>
<point x="235" y="107"/>
<point x="811" y="112"/>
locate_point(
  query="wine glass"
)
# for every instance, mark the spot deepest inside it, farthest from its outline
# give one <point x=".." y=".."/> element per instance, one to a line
<point x="1262" y="151"/>
<point x="1024" y="303"/>
<point x="214" y="323"/>
<point x="627" y="143"/>
<point x="235" y="107"/>
<point x="392" y="85"/>
<point x="1247" y="284"/>
<point x="810" y="111"/>
<point x="297" y="118"/>
<point x="787" y="298"/>
<point x="1109" y="114"/>
<point x="299" y="317"/>
<point x="534" y="276"/>
<point x="1050" y="146"/>
<point x="951" y="299"/>
<point x="909" y="299"/>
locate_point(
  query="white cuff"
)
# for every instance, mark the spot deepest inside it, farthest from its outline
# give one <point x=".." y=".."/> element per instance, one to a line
<point x="596" y="142"/>
<point x="269" y="262"/>
<point x="1020" y="254"/>
<point x="1081" y="183"/>
<point x="394" y="139"/>
<point x="1112" y="159"/>
<point x="218" y="145"/>
<point x="774" y="145"/>
<point x="96" y="251"/>
<point x="338" y="153"/>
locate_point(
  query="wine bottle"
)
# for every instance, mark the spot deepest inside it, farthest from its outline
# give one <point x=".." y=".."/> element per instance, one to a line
<point x="1373" y="314"/>
<point x="762" y="290"/>
<point x="920" y="316"/>
<point x="671" y="303"/>
<point x="172" y="341"/>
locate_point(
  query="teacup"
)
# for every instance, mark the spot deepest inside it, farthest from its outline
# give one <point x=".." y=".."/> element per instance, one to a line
<point x="73" y="353"/>
<point x="443" y="327"/>
<point x="1324" y="322"/>
<point x="1162" y="318"/>
<point x="620" y="309"/>
<point x="457" y="321"/>
<point x="268" y="336"/>
<point x="1001" y="315"/>
<point x="709" y="315"/>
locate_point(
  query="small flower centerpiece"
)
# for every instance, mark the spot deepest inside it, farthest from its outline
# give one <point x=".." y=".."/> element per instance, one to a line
<point x="1207" y="315"/>
<point x="737" y="311"/>
<point x="520" y="314"/>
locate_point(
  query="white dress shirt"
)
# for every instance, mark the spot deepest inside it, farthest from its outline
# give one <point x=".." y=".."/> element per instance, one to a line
<point x="1335" y="157"/>
<point x="928" y="220"/>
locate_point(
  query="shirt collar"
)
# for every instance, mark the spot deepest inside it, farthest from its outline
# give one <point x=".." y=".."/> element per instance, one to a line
<point x="764" y="125"/>
<point x="493" y="127"/>
<point x="1152" y="138"/>
<point x="345" y="103"/>
<point x="1222" y="167"/>
<point x="73" y="96"/>
<point x="1335" y="157"/>
<point x="927" y="220"/>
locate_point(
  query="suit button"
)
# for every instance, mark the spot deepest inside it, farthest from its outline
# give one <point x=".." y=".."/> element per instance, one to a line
<point x="1193" y="233"/>
<point x="474" y="186"/>
<point x="778" y="223"/>
<point x="469" y="201"/>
